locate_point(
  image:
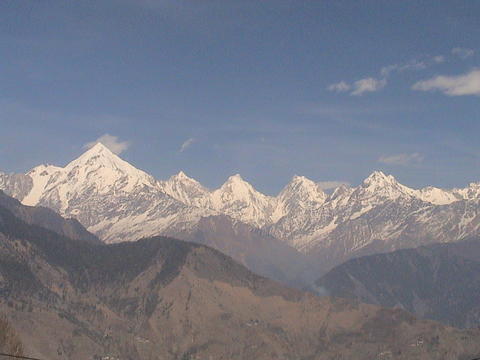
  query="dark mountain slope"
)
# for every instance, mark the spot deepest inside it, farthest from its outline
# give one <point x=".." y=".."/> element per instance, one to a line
<point x="161" y="298"/>
<point x="440" y="282"/>
<point x="258" y="251"/>
<point x="47" y="218"/>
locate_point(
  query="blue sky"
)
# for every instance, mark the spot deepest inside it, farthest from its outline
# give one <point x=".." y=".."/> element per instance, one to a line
<point x="327" y="89"/>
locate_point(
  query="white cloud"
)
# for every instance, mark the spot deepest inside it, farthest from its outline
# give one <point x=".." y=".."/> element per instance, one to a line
<point x="371" y="84"/>
<point x="402" y="159"/>
<point x="462" y="52"/>
<point x="411" y="65"/>
<point x="186" y="144"/>
<point x="341" y="86"/>
<point x="467" y="84"/>
<point x="367" y="85"/>
<point x="111" y="142"/>
<point x="328" y="185"/>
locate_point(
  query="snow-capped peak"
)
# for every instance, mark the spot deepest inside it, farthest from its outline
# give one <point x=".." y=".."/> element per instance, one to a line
<point x="98" y="171"/>
<point x="238" y="199"/>
<point x="471" y="192"/>
<point x="41" y="175"/>
<point x="303" y="189"/>
<point x="102" y="167"/>
<point x="181" y="176"/>
<point x="236" y="179"/>
<point x="437" y="196"/>
<point x="187" y="190"/>
<point x="378" y="178"/>
<point x="300" y="194"/>
<point x="381" y="185"/>
<point x="101" y="156"/>
<point x="237" y="188"/>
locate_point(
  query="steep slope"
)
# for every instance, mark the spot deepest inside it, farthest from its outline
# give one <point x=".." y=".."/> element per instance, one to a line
<point x="299" y="196"/>
<point x="110" y="197"/>
<point x="48" y="219"/>
<point x="186" y="190"/>
<point x="379" y="215"/>
<point x="165" y="299"/>
<point x="259" y="252"/>
<point x="238" y="199"/>
<point x="16" y="185"/>
<point x="9" y="340"/>
<point x="440" y="282"/>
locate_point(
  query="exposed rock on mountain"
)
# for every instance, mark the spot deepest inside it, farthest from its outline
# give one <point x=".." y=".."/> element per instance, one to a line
<point x="440" y="282"/>
<point x="110" y="197"/>
<point x="16" y="185"/>
<point x="186" y="190"/>
<point x="9" y="340"/>
<point x="48" y="219"/>
<point x="161" y="298"/>
<point x="118" y="202"/>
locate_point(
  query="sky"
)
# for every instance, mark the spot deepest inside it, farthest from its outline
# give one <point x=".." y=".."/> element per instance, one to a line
<point x="331" y="90"/>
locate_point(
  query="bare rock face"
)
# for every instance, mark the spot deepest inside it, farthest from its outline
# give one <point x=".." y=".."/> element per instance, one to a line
<point x="16" y="185"/>
<point x="161" y="298"/>
<point x="48" y="219"/>
<point x="439" y="282"/>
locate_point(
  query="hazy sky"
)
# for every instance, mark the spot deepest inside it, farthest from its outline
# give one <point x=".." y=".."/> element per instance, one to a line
<point x="327" y="89"/>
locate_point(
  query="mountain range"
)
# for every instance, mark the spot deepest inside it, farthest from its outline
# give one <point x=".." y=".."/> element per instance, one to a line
<point x="160" y="298"/>
<point x="118" y="202"/>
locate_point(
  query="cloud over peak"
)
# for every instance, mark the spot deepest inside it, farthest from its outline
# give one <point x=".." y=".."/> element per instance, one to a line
<point x="111" y="142"/>
<point x="186" y="144"/>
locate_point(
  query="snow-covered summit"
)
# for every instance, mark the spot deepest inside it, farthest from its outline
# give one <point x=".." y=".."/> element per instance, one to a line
<point x="471" y="192"/>
<point x="187" y="190"/>
<point x="103" y="163"/>
<point x="299" y="194"/>
<point x="239" y="199"/>
<point x="117" y="201"/>
<point x="380" y="185"/>
<point x="437" y="196"/>
<point x="96" y="171"/>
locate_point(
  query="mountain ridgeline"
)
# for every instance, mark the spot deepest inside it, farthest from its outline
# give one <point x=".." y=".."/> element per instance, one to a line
<point x="160" y="298"/>
<point x="439" y="282"/>
<point x="118" y="202"/>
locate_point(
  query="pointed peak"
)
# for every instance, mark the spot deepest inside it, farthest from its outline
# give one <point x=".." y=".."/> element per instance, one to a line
<point x="302" y="182"/>
<point x="99" y="148"/>
<point x="378" y="177"/>
<point x="341" y="190"/>
<point x="300" y="179"/>
<point x="236" y="182"/>
<point x="181" y="176"/>
<point x="235" y="178"/>
<point x="101" y="156"/>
